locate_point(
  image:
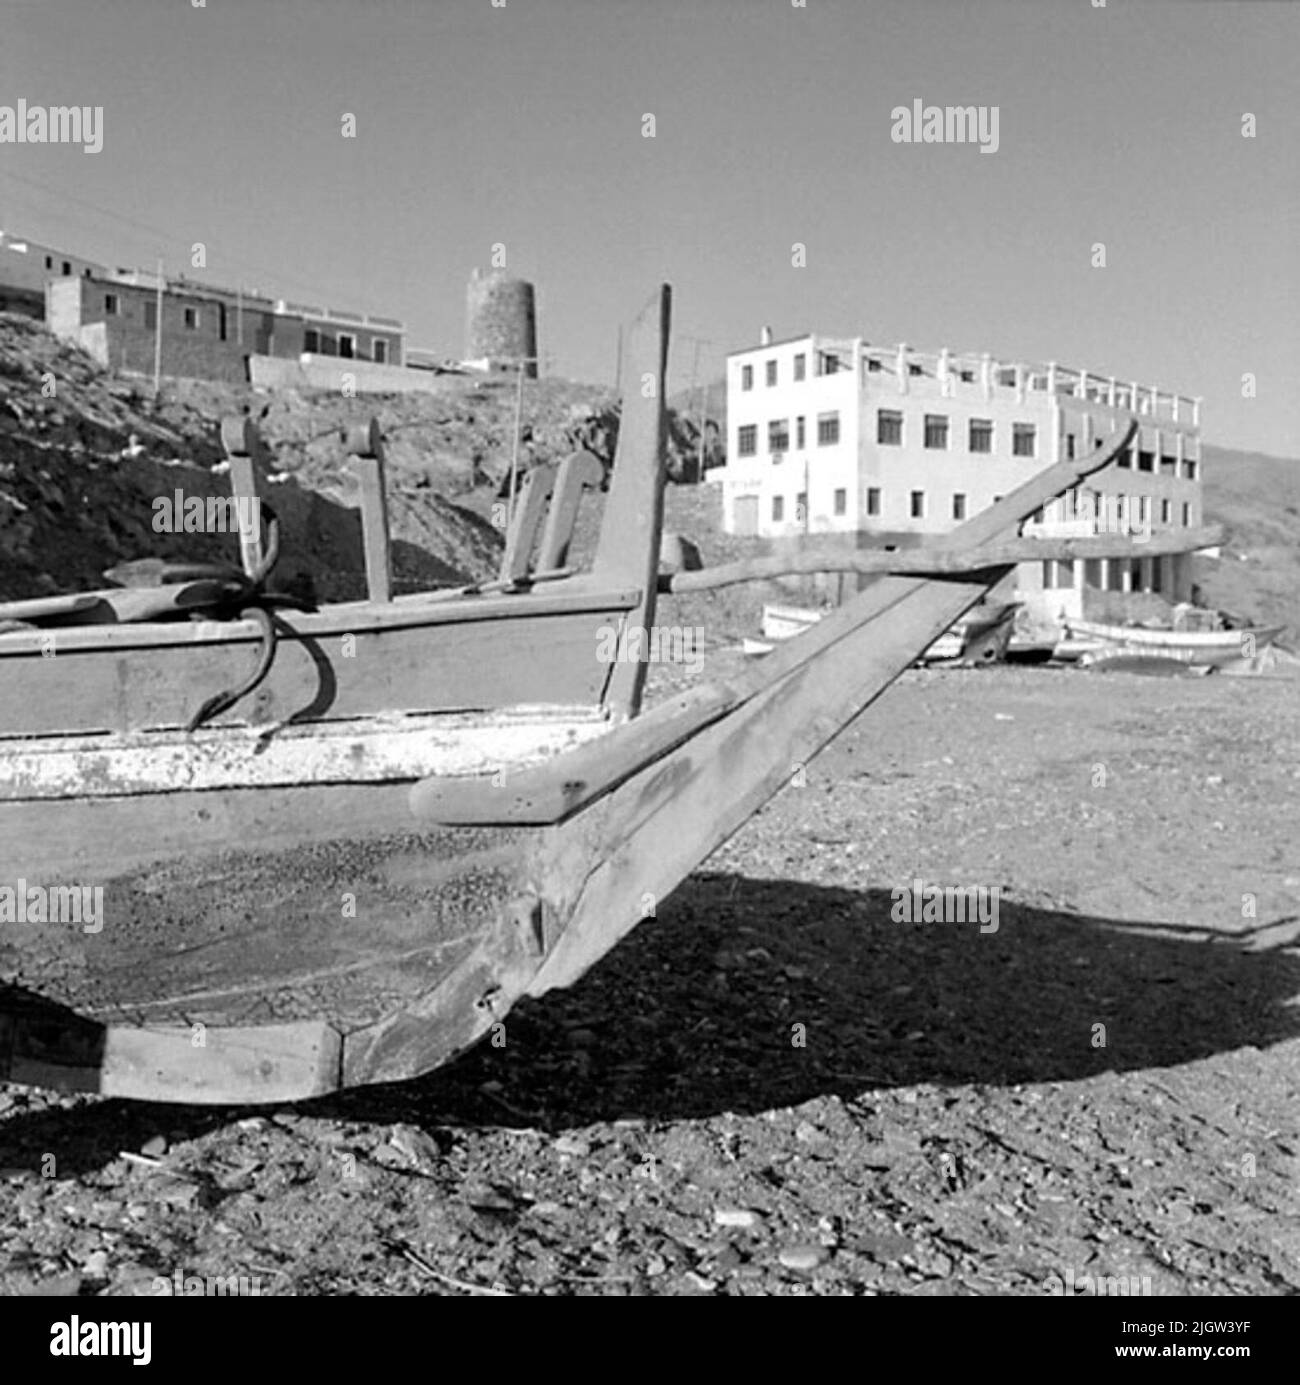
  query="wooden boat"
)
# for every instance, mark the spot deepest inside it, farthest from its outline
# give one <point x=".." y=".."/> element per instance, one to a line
<point x="1201" y="648"/>
<point x="243" y="879"/>
<point x="980" y="637"/>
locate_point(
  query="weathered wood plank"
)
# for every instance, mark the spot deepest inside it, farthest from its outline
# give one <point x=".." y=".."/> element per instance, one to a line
<point x="929" y="562"/>
<point x="579" y="471"/>
<point x="530" y="506"/>
<point x="465" y="665"/>
<point x="374" y="527"/>
<point x="627" y="553"/>
<point x="269" y="1063"/>
<point x="364" y="751"/>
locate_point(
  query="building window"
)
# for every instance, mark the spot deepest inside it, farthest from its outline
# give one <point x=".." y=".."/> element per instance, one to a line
<point x="67" y="266"/>
<point x="981" y="435"/>
<point x="873" y="500"/>
<point x="841" y="501"/>
<point x="49" y="262"/>
<point x="1166" y="511"/>
<point x="150" y="314"/>
<point x="918" y="504"/>
<point x="874" y="364"/>
<point x="1125" y="458"/>
<point x="1146" y="461"/>
<point x="379" y="349"/>
<point x="311" y="340"/>
<point x="747" y="377"/>
<point x="1022" y="439"/>
<point x="771" y="372"/>
<point x="778" y="435"/>
<point x="747" y="440"/>
<point x="1144" y="509"/>
<point x="958" y="506"/>
<point x="1057" y="575"/>
<point x="1187" y="515"/>
<point x="800" y="366"/>
<point x="1069" y="447"/>
<point x="192" y="319"/>
<point x="914" y="369"/>
<point x="1190" y="464"/>
<point x="347" y="345"/>
<point x="830" y="363"/>
<point x="936" y="431"/>
<point x="110" y="304"/>
<point x="889" y="427"/>
<point x="778" y="508"/>
<point x="85" y="273"/>
<point x="801" y="507"/>
<point x="828" y="429"/>
<point x="799" y="432"/>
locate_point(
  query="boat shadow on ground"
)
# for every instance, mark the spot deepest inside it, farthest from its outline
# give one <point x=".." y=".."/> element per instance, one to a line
<point x="746" y="995"/>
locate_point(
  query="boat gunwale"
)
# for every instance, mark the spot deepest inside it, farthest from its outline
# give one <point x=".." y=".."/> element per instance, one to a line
<point x="574" y="596"/>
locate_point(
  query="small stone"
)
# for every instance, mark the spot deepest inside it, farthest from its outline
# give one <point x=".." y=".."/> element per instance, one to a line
<point x="803" y="1258"/>
<point x="655" y="1265"/>
<point x="705" y="1286"/>
<point x="735" y="1216"/>
<point x="154" y="1148"/>
<point x="251" y="1123"/>
<point x="568" y="1144"/>
<point x="808" y="1133"/>
<point x="95" y="1265"/>
<point x="546" y="1209"/>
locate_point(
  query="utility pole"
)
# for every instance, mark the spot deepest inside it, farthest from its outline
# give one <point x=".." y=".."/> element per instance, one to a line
<point x="702" y="405"/>
<point x="618" y="363"/>
<point x="239" y="315"/>
<point x="157" y="333"/>
<point x="514" y="452"/>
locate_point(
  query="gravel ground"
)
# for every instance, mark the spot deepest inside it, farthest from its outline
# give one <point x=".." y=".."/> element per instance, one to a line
<point x="776" y="1088"/>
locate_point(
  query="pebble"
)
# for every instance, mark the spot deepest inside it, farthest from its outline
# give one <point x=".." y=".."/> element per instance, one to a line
<point x="154" y="1148"/>
<point x="735" y="1216"/>
<point x="567" y="1144"/>
<point x="803" y="1258"/>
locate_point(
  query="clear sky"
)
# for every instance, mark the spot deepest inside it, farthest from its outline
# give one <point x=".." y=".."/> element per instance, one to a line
<point x="522" y="124"/>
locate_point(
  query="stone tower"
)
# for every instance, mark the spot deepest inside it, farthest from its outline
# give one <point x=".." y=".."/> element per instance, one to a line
<point x="501" y="322"/>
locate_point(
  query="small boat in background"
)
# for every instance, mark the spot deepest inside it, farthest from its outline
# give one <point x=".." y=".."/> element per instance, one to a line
<point x="1201" y="648"/>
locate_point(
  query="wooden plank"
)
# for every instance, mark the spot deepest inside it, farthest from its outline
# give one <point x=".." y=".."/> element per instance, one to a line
<point x="928" y="562"/>
<point x="98" y="839"/>
<point x="374" y="527"/>
<point x="243" y="445"/>
<point x="404" y="613"/>
<point x="368" y="750"/>
<point x="466" y="666"/>
<point x="627" y="552"/>
<point x="529" y="509"/>
<point x="579" y="471"/>
<point x="269" y="1063"/>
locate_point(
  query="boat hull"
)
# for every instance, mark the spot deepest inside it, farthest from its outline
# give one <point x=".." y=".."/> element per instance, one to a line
<point x="1205" y="649"/>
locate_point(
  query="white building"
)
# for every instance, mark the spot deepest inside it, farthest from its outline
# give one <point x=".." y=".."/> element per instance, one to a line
<point x="830" y="435"/>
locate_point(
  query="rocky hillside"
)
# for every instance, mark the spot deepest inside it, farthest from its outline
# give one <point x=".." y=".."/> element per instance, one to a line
<point x="1258" y="498"/>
